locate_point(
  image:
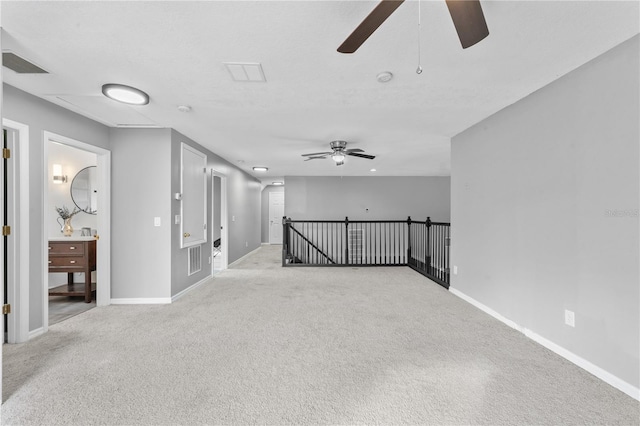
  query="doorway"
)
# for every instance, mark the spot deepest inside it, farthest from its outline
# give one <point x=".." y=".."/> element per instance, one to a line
<point x="219" y="228"/>
<point x="73" y="161"/>
<point x="276" y="213"/>
<point x="16" y="209"/>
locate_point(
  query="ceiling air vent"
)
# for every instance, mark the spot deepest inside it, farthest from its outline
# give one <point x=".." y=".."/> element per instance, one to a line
<point x="245" y="71"/>
<point x="20" y="65"/>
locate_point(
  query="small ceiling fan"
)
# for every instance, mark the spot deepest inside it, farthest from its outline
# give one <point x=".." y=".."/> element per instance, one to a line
<point x="338" y="153"/>
<point x="467" y="17"/>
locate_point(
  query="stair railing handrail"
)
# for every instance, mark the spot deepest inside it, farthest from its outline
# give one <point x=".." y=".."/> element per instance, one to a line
<point x="289" y="221"/>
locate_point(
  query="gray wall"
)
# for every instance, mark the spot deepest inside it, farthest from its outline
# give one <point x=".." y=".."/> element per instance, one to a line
<point x="265" y="209"/>
<point x="531" y="187"/>
<point x="333" y="198"/>
<point x="140" y="191"/>
<point x="41" y="116"/>
<point x="243" y="202"/>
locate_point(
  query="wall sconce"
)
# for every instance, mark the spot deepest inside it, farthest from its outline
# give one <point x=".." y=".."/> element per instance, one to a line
<point x="58" y="177"/>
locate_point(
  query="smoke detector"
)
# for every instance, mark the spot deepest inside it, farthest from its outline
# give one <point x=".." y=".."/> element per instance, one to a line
<point x="384" y="77"/>
<point x="184" y="108"/>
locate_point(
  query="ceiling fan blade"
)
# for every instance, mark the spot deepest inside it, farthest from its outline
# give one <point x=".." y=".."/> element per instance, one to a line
<point x="354" y="150"/>
<point x="355" y="154"/>
<point x="315" y="158"/>
<point x="317" y="153"/>
<point x="371" y="23"/>
<point x="469" y="21"/>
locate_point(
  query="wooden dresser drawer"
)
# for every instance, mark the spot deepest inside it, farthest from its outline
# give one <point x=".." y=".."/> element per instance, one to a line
<point x="64" y="248"/>
<point x="67" y="261"/>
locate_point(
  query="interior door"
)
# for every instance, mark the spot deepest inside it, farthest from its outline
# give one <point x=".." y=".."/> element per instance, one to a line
<point x="194" y="197"/>
<point x="276" y="212"/>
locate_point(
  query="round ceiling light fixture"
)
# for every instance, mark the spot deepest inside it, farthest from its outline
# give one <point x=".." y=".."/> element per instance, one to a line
<point x="125" y="94"/>
<point x="384" y="77"/>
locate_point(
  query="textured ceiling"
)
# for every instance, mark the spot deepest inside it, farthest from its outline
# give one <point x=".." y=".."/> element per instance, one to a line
<point x="175" y="52"/>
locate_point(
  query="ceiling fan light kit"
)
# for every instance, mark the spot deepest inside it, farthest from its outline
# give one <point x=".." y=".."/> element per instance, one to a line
<point x="339" y="153"/>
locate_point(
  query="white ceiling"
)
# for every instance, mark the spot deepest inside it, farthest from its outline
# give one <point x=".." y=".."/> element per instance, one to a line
<point x="175" y="52"/>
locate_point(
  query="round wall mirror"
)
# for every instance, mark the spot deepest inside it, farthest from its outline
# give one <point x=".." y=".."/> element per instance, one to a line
<point x="84" y="190"/>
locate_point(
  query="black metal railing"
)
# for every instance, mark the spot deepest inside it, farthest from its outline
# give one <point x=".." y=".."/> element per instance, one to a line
<point x="423" y="246"/>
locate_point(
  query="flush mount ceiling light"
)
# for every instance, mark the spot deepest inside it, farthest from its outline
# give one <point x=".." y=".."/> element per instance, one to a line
<point x="125" y="94"/>
<point x="260" y="169"/>
<point x="372" y="170"/>
<point x="277" y="183"/>
<point x="184" y="108"/>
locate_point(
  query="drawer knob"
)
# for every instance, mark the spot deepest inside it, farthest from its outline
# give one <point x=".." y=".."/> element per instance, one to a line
<point x="49" y="261"/>
<point x="72" y="248"/>
<point x="72" y="261"/>
<point x="49" y="247"/>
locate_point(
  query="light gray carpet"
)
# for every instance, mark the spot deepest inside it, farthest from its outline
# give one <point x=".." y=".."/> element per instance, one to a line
<point x="261" y="344"/>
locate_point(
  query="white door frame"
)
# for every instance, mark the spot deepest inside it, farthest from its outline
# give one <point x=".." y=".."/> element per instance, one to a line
<point x="224" y="235"/>
<point x="18" y="285"/>
<point x="103" y="257"/>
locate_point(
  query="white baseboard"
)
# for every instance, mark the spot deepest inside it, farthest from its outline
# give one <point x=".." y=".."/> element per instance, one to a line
<point x="188" y="289"/>
<point x="486" y="309"/>
<point x="244" y="257"/>
<point x="600" y="373"/>
<point x="141" y="301"/>
<point x="35" y="333"/>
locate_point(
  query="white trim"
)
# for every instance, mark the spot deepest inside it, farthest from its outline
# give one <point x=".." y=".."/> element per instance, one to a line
<point x="485" y="309"/>
<point x="244" y="257"/>
<point x="141" y="301"/>
<point x="35" y="333"/>
<point x="191" y="287"/>
<point x="18" y="291"/>
<point x="103" y="269"/>
<point x="599" y="372"/>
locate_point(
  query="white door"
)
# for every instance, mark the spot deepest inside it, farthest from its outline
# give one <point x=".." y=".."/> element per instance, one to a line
<point x="276" y="212"/>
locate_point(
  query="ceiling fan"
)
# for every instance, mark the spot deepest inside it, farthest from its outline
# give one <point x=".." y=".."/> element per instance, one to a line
<point x="467" y="17"/>
<point x="338" y="153"/>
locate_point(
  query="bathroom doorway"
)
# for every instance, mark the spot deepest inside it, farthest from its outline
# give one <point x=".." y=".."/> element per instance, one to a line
<point x="77" y="249"/>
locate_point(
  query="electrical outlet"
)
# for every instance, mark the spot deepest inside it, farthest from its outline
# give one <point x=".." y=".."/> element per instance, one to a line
<point x="569" y="318"/>
<point x="156" y="221"/>
<point x="455" y="270"/>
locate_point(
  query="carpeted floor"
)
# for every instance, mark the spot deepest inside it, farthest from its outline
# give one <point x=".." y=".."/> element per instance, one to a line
<point x="262" y="344"/>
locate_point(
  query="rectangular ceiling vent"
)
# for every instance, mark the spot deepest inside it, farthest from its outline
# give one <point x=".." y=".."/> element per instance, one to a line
<point x="246" y="71"/>
<point x="20" y="65"/>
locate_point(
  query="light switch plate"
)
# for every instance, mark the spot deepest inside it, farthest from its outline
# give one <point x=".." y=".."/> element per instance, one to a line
<point x="455" y="270"/>
<point x="156" y="221"/>
<point x="177" y="220"/>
